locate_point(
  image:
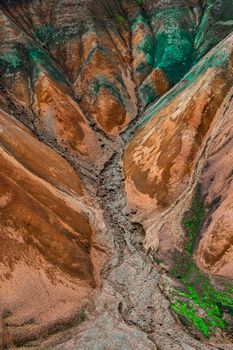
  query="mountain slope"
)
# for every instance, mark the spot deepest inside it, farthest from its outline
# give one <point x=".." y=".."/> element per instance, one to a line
<point x="115" y="167"/>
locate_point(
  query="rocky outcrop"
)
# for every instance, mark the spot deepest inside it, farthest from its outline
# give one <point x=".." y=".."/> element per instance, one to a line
<point x="163" y="161"/>
<point x="214" y="251"/>
<point x="91" y="219"/>
<point x="48" y="263"/>
<point x="93" y="55"/>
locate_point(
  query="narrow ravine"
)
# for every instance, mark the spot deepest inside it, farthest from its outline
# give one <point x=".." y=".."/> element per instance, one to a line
<point x="131" y="310"/>
<point x="75" y="73"/>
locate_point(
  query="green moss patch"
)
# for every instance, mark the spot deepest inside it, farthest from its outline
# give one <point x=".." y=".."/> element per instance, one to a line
<point x="198" y="303"/>
<point x="193" y="220"/>
<point x="120" y="20"/>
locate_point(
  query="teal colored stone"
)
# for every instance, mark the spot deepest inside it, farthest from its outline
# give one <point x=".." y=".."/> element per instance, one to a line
<point x="40" y="61"/>
<point x="218" y="58"/>
<point x="10" y="61"/>
<point x="174" y="41"/>
<point x="216" y="24"/>
<point x="102" y="82"/>
<point x="147" y="93"/>
<point x="45" y="34"/>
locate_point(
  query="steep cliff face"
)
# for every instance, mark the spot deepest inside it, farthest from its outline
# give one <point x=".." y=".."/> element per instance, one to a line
<point x="48" y="259"/>
<point x="214" y="251"/>
<point x="164" y="159"/>
<point x="115" y="167"/>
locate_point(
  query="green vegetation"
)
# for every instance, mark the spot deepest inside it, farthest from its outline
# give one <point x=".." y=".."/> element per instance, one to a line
<point x="120" y="20"/>
<point x="198" y="303"/>
<point x="193" y="220"/>
<point x="139" y="2"/>
<point x="82" y="316"/>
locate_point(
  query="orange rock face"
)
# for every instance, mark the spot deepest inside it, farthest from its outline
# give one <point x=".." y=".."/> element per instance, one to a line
<point x="62" y="119"/>
<point x="46" y="251"/>
<point x="164" y="158"/>
<point x="111" y="101"/>
<point x="215" y="249"/>
<point x="96" y="59"/>
<point x="111" y="114"/>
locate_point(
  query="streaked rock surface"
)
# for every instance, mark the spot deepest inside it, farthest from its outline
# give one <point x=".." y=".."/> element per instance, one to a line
<point x="111" y="113"/>
<point x="166" y="157"/>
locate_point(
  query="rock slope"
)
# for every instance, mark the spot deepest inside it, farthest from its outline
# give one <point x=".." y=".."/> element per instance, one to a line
<point x="114" y="115"/>
<point x="164" y="159"/>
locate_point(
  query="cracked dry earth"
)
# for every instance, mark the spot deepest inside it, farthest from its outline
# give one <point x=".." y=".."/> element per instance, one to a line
<point x="131" y="311"/>
<point x="111" y="114"/>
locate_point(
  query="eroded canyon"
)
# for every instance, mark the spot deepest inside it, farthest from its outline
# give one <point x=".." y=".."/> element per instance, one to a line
<point x="116" y="174"/>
